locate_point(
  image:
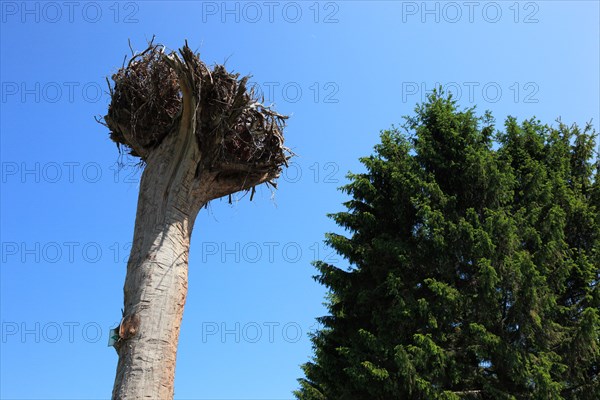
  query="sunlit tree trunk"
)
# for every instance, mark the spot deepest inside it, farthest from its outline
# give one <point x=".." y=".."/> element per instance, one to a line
<point x="157" y="280"/>
<point x="204" y="155"/>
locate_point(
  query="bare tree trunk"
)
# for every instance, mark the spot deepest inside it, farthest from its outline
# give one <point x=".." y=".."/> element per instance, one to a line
<point x="156" y="282"/>
<point x="180" y="177"/>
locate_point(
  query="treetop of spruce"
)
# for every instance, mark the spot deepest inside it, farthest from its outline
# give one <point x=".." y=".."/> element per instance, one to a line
<point x="474" y="262"/>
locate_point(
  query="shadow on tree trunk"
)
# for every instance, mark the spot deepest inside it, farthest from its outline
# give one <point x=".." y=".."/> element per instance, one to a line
<point x="201" y="134"/>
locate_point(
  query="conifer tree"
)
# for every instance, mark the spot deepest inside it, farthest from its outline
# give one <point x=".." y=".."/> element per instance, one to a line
<point x="473" y="265"/>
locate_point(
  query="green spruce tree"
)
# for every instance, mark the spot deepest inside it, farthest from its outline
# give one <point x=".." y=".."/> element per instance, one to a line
<point x="473" y="265"/>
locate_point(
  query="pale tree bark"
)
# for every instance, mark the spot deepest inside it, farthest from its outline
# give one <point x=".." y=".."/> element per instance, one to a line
<point x="156" y="281"/>
<point x="180" y="177"/>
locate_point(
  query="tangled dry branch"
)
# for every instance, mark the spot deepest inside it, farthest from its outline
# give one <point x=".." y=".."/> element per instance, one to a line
<point x="234" y="130"/>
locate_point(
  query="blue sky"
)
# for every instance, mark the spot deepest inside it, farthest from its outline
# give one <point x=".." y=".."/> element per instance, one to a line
<point x="343" y="70"/>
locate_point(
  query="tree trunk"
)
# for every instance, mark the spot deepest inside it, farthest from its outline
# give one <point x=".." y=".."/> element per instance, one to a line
<point x="157" y="271"/>
<point x="156" y="282"/>
<point x="178" y="180"/>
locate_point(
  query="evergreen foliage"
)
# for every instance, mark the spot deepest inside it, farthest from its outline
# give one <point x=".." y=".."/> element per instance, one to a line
<point x="474" y="261"/>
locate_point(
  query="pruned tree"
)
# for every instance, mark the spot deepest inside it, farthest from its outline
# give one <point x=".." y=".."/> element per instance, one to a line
<point x="201" y="134"/>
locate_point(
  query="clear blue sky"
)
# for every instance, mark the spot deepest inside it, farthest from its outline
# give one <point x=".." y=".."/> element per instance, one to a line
<point x="342" y="70"/>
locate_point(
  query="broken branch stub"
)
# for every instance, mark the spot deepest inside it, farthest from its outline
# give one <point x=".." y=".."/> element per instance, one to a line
<point x="240" y="140"/>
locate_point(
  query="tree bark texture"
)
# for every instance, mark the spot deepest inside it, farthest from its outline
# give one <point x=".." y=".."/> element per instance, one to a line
<point x="156" y="281"/>
<point x="176" y="183"/>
